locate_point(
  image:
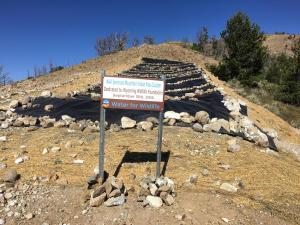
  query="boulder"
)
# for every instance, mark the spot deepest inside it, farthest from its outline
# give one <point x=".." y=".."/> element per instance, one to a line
<point x="172" y="115"/>
<point x="202" y="117"/>
<point x="154" y="201"/>
<point x="25" y="100"/>
<point x="114" y="127"/>
<point x="153" y="120"/>
<point x="14" y="104"/>
<point x="97" y="201"/>
<point x="197" y="127"/>
<point x="115" y="201"/>
<point x="126" y="122"/>
<point x="46" y="94"/>
<point x="145" y="125"/>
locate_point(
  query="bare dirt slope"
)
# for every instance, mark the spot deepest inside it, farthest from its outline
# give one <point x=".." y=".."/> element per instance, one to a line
<point x="280" y="43"/>
<point x="269" y="182"/>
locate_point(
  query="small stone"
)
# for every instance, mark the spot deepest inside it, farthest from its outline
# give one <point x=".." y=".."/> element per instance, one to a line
<point x="160" y="181"/>
<point x="115" y="193"/>
<point x="99" y="191"/>
<point x="48" y="108"/>
<point x="205" y="172"/>
<point x="2" y="166"/>
<point x="29" y="216"/>
<point x="193" y="179"/>
<point x="225" y="220"/>
<point x="78" y="161"/>
<point x="228" y="187"/>
<point x="19" y="160"/>
<point x="55" y="149"/>
<point x="114" y="127"/>
<point x="115" y="201"/>
<point x="180" y="217"/>
<point x="45" y="151"/>
<point x="11" y="176"/>
<point x="2" y="221"/>
<point x="233" y="146"/>
<point x="154" y="201"/>
<point x="164" y="188"/>
<point x="168" y="199"/>
<point x="3" y="138"/>
<point x="153" y="189"/>
<point x="224" y="166"/>
<point x="95" y="202"/>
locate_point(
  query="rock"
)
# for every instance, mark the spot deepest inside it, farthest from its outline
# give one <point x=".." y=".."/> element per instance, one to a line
<point x="154" y="201"/>
<point x="197" y="127"/>
<point x="47" y="122"/>
<point x="55" y="149"/>
<point x="74" y="126"/>
<point x="145" y="125"/>
<point x="205" y="172"/>
<point x="164" y="188"/>
<point x="2" y="115"/>
<point x="126" y="122"/>
<point x="202" y="117"/>
<point x="48" y="108"/>
<point x="67" y="119"/>
<point x="261" y="139"/>
<point x="226" y="220"/>
<point x="233" y="146"/>
<point x="171" y="122"/>
<point x="3" y="138"/>
<point x="11" y="176"/>
<point x="153" y="120"/>
<point x="160" y="181"/>
<point x="4" y="125"/>
<point x="180" y="217"/>
<point x="224" y="125"/>
<point x="78" y="161"/>
<point x="224" y="166"/>
<point x="29" y="216"/>
<point x="193" y="179"/>
<point x="95" y="97"/>
<point x="115" y="193"/>
<point x="19" y="160"/>
<point x="168" y="199"/>
<point x="25" y="100"/>
<point x="153" y="189"/>
<point x="172" y="115"/>
<point x="2" y="166"/>
<point x="46" y="94"/>
<point x="99" y="191"/>
<point x="228" y="187"/>
<point x="97" y="201"/>
<point x="114" y="127"/>
<point x="2" y="221"/>
<point x="189" y="119"/>
<point x="120" y="200"/>
<point x="14" y="104"/>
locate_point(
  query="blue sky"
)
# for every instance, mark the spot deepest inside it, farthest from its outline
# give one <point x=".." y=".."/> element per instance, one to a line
<point x="35" y="32"/>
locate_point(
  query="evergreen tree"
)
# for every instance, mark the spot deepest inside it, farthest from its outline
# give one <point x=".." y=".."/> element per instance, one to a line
<point x="245" y="51"/>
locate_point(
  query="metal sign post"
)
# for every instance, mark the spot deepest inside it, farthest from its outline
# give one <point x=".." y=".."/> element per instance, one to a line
<point x="131" y="94"/>
<point x="160" y="134"/>
<point x="102" y="134"/>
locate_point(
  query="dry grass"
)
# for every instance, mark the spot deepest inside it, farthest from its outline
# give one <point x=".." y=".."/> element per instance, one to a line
<point x="271" y="182"/>
<point x="280" y="43"/>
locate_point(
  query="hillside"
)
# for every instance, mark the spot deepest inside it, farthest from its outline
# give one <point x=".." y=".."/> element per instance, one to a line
<point x="236" y="163"/>
<point x="280" y="43"/>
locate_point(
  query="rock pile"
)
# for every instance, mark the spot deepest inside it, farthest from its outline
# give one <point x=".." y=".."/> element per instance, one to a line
<point x="111" y="193"/>
<point x="156" y="191"/>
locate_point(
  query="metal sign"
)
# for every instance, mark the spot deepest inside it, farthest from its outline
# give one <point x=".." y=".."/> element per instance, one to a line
<point x="132" y="93"/>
